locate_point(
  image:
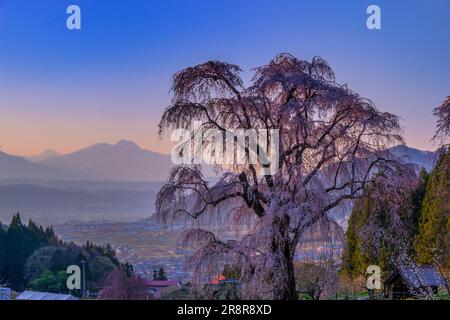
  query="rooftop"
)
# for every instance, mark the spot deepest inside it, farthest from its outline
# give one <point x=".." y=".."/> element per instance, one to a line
<point x="162" y="283"/>
<point x="34" y="295"/>
<point x="420" y="276"/>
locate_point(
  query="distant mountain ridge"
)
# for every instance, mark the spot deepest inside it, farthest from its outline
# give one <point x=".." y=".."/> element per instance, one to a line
<point x="418" y="157"/>
<point x="47" y="154"/>
<point x="125" y="161"/>
<point x="14" y="167"/>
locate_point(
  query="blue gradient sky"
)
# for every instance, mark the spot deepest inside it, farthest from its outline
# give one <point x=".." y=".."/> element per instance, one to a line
<point x="66" y="89"/>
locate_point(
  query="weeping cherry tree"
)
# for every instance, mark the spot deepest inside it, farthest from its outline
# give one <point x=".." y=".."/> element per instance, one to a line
<point x="325" y="142"/>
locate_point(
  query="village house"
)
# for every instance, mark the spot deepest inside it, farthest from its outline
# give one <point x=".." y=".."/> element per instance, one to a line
<point x="157" y="288"/>
<point x="409" y="282"/>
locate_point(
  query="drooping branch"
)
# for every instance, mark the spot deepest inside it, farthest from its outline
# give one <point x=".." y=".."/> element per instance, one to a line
<point x="443" y="121"/>
<point x="206" y="79"/>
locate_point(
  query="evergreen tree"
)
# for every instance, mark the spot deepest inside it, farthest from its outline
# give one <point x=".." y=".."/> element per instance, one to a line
<point x="382" y="226"/>
<point x="21" y="242"/>
<point x="2" y="254"/>
<point x="353" y="263"/>
<point x="128" y="268"/>
<point x="433" y="239"/>
<point x="161" y="274"/>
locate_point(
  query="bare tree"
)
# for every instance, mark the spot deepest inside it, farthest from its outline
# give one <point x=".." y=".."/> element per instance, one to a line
<point x="442" y="114"/>
<point x="121" y="286"/>
<point x="331" y="141"/>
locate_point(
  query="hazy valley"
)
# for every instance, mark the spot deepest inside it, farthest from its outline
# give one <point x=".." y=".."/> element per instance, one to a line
<point x="106" y="194"/>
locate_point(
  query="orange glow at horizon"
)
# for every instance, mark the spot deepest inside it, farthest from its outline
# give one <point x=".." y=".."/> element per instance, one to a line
<point x="31" y="136"/>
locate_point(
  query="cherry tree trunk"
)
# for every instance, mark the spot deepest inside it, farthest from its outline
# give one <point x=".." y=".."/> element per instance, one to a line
<point x="281" y="275"/>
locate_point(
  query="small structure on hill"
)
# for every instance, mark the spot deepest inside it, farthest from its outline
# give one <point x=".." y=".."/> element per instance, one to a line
<point x="409" y="282"/>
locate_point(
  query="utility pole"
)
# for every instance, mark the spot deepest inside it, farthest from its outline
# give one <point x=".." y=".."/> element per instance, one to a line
<point x="84" y="278"/>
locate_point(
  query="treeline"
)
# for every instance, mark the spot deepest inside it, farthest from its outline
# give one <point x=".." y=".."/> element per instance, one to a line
<point x="412" y="226"/>
<point x="32" y="257"/>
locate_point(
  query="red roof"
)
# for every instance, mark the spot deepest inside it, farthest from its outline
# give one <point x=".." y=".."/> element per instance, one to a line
<point x="161" y="283"/>
<point x="218" y="279"/>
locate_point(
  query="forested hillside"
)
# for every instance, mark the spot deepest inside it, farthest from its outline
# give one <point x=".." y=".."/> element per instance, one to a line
<point x="32" y="257"/>
<point x="415" y="225"/>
